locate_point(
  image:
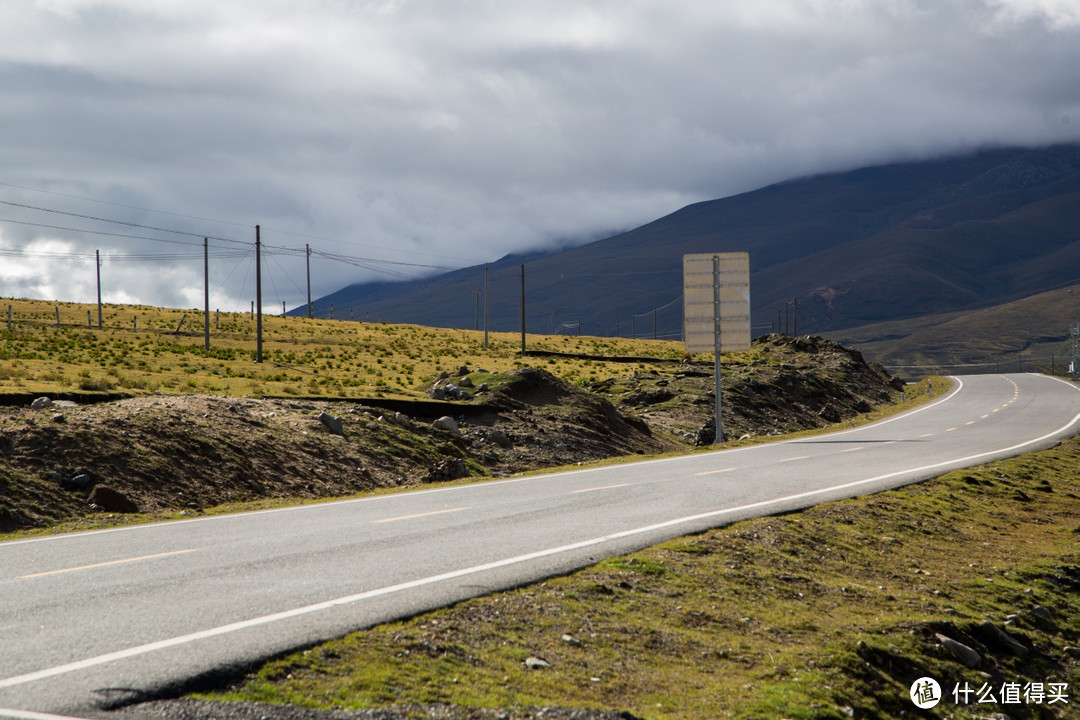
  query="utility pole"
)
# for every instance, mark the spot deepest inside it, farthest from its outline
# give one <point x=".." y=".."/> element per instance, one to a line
<point x="485" y="305"/>
<point x="307" y="256"/>
<point x="258" y="297"/>
<point x="206" y="292"/>
<point x="717" y="344"/>
<point x="522" y="309"/>
<point x="97" y="256"/>
<point x="795" y="318"/>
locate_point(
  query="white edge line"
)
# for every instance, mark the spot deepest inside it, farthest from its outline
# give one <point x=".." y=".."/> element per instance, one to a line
<point x="31" y="715"/>
<point x="454" y="574"/>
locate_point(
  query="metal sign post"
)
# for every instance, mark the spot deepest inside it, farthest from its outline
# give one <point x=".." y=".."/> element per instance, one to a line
<point x="716" y="309"/>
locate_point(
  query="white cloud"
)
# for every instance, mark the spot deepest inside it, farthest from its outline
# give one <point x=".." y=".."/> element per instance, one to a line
<point x="451" y="132"/>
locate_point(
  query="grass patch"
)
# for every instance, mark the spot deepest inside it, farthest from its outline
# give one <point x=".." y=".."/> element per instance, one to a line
<point x="302" y="357"/>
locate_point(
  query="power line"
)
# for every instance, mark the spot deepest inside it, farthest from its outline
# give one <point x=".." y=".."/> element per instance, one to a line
<point x="99" y="232"/>
<point x="118" y="222"/>
<point x="223" y="222"/>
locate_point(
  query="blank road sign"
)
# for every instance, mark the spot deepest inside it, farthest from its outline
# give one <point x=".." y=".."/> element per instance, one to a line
<point x="699" y="295"/>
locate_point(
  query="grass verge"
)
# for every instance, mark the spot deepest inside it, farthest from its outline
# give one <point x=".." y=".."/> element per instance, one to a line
<point x="831" y="612"/>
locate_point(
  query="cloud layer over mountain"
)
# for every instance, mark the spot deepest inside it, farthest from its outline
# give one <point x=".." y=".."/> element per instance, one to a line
<point x="445" y="133"/>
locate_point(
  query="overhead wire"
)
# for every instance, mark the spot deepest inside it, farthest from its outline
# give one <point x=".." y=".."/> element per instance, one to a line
<point x="118" y="222"/>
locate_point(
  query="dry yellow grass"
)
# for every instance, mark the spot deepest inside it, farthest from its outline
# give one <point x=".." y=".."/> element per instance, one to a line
<point x="140" y="350"/>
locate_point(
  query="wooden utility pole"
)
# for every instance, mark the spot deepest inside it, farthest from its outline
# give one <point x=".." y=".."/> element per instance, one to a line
<point x="258" y="296"/>
<point x="522" y="309"/>
<point x="716" y="361"/>
<point x="307" y="253"/>
<point x="485" y="305"/>
<point x="97" y="262"/>
<point x="206" y="292"/>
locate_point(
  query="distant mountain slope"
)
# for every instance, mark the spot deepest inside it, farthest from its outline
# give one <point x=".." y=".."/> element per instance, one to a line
<point x="869" y="245"/>
<point x="1031" y="333"/>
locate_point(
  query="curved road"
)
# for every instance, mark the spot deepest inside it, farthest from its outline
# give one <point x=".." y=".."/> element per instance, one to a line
<point x="93" y="620"/>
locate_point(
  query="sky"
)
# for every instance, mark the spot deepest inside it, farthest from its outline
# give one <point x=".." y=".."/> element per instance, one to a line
<point x="399" y="138"/>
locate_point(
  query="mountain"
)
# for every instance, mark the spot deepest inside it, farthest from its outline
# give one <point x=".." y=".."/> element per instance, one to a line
<point x="864" y="246"/>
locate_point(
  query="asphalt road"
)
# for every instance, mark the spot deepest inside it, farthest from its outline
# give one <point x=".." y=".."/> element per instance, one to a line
<point x="93" y="620"/>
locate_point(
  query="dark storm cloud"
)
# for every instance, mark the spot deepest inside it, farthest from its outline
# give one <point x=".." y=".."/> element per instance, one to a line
<point x="449" y="133"/>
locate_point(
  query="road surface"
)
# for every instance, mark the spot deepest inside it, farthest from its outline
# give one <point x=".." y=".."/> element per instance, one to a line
<point x="98" y="619"/>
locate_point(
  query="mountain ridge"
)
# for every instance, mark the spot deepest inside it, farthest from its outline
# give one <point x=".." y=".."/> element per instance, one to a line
<point x="855" y="247"/>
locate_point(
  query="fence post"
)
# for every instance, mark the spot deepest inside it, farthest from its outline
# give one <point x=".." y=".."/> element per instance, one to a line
<point x="57" y="316"/>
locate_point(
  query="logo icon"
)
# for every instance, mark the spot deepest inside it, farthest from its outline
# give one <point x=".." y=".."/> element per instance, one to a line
<point x="925" y="693"/>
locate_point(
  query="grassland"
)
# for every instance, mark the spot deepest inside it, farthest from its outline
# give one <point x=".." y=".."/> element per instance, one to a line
<point x="143" y="350"/>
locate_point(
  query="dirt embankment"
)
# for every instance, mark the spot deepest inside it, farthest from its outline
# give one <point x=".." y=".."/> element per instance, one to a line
<point x="164" y="454"/>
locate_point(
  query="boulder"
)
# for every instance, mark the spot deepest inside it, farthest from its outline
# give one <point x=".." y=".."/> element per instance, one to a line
<point x="968" y="656"/>
<point x="111" y="500"/>
<point x="446" y="423"/>
<point x="41" y="403"/>
<point x="332" y="423"/>
<point x="449" y="468"/>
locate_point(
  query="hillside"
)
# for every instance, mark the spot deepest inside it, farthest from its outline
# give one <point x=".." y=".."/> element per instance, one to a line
<point x="166" y="454"/>
<point x="869" y="245"/>
<point x="1034" y="333"/>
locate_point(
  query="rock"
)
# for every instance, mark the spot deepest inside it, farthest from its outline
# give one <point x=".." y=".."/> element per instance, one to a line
<point x="536" y="663"/>
<point x="571" y="640"/>
<point x="498" y="437"/>
<point x="332" y="423"/>
<point x="997" y="636"/>
<point x="830" y="414"/>
<point x="437" y="393"/>
<point x="403" y="420"/>
<point x="968" y="656"/>
<point x="1043" y="612"/>
<point x="1044" y="618"/>
<point x="463" y="371"/>
<point x="41" y="403"/>
<point x="1073" y="651"/>
<point x="446" y="423"/>
<point x="74" y="481"/>
<point x="449" y="468"/>
<point x="466" y="382"/>
<point x="59" y="418"/>
<point x="111" y="500"/>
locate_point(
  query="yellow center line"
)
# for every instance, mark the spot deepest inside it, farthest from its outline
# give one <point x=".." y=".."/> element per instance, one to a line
<point x="854" y="449"/>
<point x="985" y="416"/>
<point x="927" y="435"/>
<point x="996" y="410"/>
<point x="106" y="564"/>
<point x="790" y="459"/>
<point x="971" y="422"/>
<point x="594" y="489"/>
<point x="420" y="515"/>
<point x="715" y="472"/>
<point x="949" y="429"/>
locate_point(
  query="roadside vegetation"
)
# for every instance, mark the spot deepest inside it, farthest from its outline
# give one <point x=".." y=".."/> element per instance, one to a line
<point x="145" y="350"/>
